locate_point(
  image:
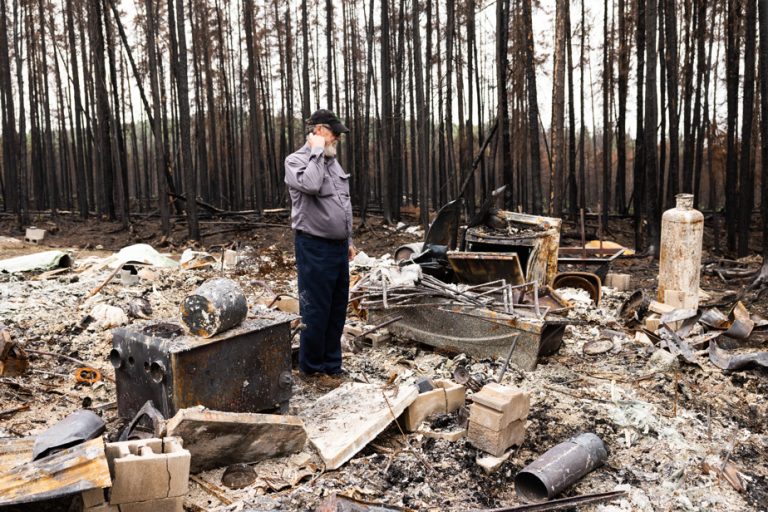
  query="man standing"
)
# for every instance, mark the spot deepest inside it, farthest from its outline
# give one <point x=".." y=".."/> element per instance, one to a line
<point x="321" y="217"/>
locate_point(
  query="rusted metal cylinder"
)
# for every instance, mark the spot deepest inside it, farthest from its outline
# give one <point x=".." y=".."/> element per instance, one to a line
<point x="559" y="467"/>
<point x="682" y="232"/>
<point x="217" y="305"/>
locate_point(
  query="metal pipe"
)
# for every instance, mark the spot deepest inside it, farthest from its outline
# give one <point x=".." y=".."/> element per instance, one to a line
<point x="560" y="467"/>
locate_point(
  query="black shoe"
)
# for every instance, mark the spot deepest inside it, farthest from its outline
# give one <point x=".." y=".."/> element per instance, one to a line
<point x="342" y="374"/>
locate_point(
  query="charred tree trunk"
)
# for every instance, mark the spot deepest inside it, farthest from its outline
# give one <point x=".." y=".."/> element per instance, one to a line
<point x="557" y="166"/>
<point x="533" y="108"/>
<point x="621" y="130"/>
<point x="746" y="180"/>
<point x="649" y="131"/>
<point x="179" y="55"/>
<point x="732" y="92"/>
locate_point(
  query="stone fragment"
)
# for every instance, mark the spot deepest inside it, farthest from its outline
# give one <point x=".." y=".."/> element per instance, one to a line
<point x="344" y="421"/>
<point x="444" y="399"/>
<point x="217" y="439"/>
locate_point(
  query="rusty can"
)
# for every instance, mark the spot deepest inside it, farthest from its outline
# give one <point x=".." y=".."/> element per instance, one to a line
<point x="217" y="305"/>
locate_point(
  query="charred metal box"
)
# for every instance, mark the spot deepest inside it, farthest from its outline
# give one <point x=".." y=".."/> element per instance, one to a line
<point x="245" y="369"/>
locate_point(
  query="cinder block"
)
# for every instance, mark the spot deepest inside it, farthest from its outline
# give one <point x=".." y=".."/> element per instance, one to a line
<point x="445" y="398"/>
<point x="488" y="418"/>
<point x="496" y="442"/>
<point x="513" y="403"/>
<point x="620" y="282"/>
<point x="147" y="470"/>
<point x="34" y="235"/>
<point x="353" y="330"/>
<point x="378" y="338"/>
<point x="162" y="505"/>
<point x="93" y="498"/>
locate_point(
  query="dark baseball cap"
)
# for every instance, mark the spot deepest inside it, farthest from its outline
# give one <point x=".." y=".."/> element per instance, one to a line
<point x="326" y="117"/>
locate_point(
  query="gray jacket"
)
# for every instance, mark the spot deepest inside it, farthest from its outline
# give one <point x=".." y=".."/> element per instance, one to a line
<point x="319" y="190"/>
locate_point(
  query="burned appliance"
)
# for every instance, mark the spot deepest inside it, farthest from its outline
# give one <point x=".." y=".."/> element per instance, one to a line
<point x="245" y="369"/>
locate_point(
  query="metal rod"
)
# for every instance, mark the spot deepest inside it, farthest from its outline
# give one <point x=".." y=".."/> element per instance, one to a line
<point x="506" y="363"/>
<point x="563" y="503"/>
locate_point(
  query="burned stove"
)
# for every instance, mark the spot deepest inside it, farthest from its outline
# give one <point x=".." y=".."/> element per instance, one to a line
<point x="245" y="369"/>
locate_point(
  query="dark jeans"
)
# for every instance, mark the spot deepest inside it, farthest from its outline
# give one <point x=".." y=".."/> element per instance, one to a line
<point x="323" y="267"/>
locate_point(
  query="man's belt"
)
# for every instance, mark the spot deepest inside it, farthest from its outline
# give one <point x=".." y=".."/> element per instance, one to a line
<point x="329" y="240"/>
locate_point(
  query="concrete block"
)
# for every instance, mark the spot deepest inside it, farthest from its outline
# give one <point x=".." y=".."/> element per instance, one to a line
<point x="353" y="330"/>
<point x="660" y="308"/>
<point x="147" y="469"/>
<point x="217" y="439"/>
<point x="445" y="398"/>
<point x="496" y="442"/>
<point x="378" y="338"/>
<point x="93" y="497"/>
<point x="487" y="417"/>
<point x="104" y="507"/>
<point x="162" y="505"/>
<point x="230" y="258"/>
<point x="679" y="299"/>
<point x="34" y="235"/>
<point x="652" y="322"/>
<point x="512" y="402"/>
<point x="620" y="282"/>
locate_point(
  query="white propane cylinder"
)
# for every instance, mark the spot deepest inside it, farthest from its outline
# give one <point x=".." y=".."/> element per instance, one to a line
<point x="682" y="232"/>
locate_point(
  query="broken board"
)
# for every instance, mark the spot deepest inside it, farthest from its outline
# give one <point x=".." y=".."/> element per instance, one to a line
<point x="76" y="469"/>
<point x="344" y="421"/>
<point x="217" y="439"/>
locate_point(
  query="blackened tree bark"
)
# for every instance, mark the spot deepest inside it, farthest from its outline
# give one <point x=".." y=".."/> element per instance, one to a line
<point x="746" y="185"/>
<point x="701" y="89"/>
<point x="179" y="55"/>
<point x="156" y="120"/>
<point x="103" y="145"/>
<point x="557" y="166"/>
<point x="422" y="158"/>
<point x="671" y="62"/>
<point x="329" y="48"/>
<point x="533" y="108"/>
<point x="621" y="130"/>
<point x="649" y="132"/>
<point x="583" y="128"/>
<point x="10" y="190"/>
<point x="80" y="180"/>
<point x="607" y="74"/>
<point x="762" y="279"/>
<point x="305" y="105"/>
<point x="572" y="188"/>
<point x="386" y="113"/>
<point x="732" y="93"/>
<point x="256" y="174"/>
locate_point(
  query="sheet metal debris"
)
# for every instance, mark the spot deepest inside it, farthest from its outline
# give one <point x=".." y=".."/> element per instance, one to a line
<point x="76" y="428"/>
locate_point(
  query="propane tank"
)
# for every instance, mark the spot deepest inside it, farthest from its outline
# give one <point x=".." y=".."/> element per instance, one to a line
<point x="682" y="232"/>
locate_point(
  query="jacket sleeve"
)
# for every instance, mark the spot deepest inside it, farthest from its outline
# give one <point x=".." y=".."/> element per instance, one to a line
<point x="304" y="172"/>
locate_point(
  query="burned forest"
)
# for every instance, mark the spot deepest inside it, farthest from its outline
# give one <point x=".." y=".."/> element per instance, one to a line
<point x="383" y="255"/>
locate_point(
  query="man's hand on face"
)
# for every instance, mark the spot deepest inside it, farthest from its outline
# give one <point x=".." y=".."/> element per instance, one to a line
<point x="316" y="141"/>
